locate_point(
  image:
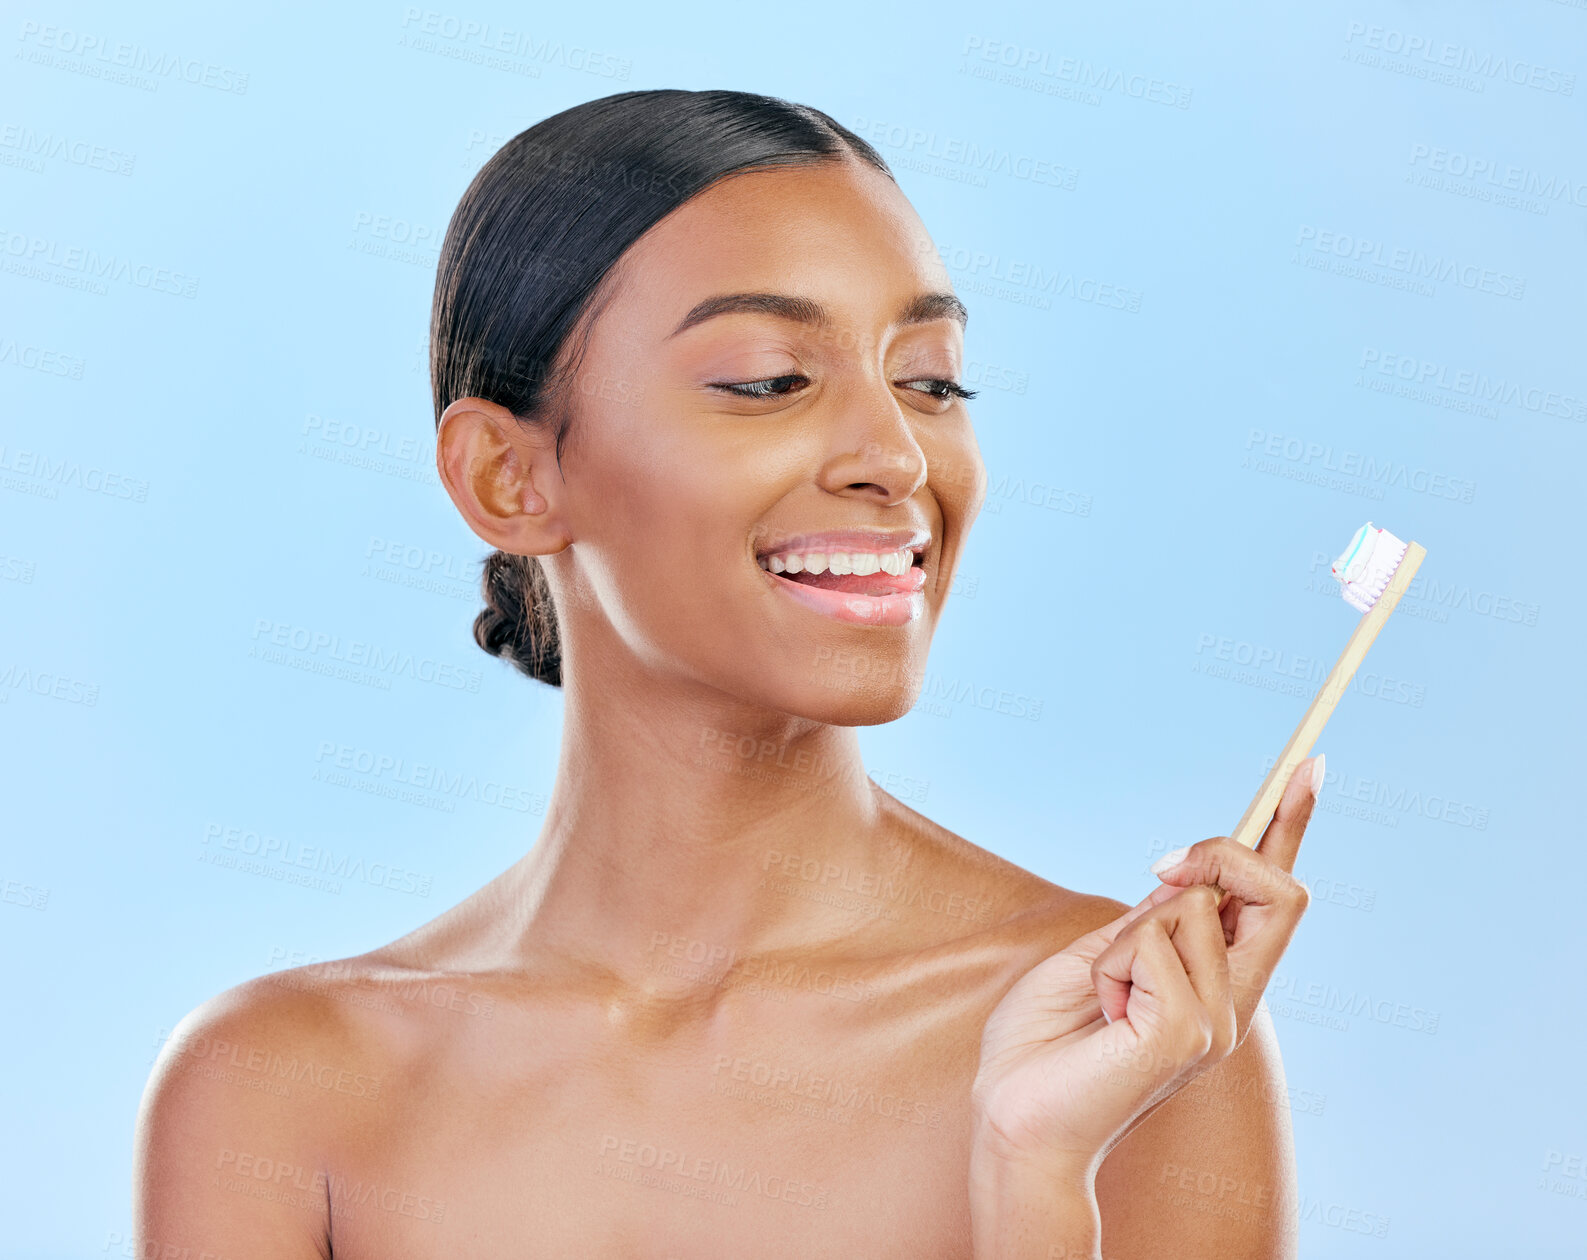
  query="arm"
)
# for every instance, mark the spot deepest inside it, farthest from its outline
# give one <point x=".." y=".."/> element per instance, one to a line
<point x="222" y="1167"/>
<point x="1091" y="1061"/>
<point x="1032" y="1212"/>
<point x="1209" y="1174"/>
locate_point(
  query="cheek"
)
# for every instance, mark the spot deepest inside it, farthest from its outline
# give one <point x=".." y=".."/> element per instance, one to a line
<point x="956" y="474"/>
<point x="666" y="527"/>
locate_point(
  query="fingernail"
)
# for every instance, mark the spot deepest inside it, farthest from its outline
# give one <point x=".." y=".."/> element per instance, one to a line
<point x="1107" y="1017"/>
<point x="1318" y="768"/>
<point x="1169" y="860"/>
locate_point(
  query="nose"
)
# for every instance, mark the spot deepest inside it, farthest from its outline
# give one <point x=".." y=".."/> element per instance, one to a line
<point x="875" y="452"/>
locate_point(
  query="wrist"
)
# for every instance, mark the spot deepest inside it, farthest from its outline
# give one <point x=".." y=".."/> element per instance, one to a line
<point x="1028" y="1209"/>
<point x="994" y="1159"/>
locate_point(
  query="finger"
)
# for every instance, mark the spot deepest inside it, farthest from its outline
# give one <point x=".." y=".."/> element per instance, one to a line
<point x="1281" y="840"/>
<point x="1229" y="917"/>
<point x="1252" y="877"/>
<point x="1273" y="903"/>
<point x="1189" y="923"/>
<point x="1197" y="935"/>
<point x="1145" y="964"/>
<point x="1098" y="939"/>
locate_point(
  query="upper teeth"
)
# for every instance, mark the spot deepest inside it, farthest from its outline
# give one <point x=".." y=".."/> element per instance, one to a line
<point x="858" y="562"/>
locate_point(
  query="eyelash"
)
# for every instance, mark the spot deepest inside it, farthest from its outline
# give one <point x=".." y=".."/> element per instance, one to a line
<point x="745" y="389"/>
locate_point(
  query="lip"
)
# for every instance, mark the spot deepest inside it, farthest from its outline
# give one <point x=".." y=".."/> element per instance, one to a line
<point x="897" y="609"/>
<point x="858" y="610"/>
<point x="879" y="540"/>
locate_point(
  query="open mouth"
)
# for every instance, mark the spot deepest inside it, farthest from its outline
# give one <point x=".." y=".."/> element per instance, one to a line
<point x="868" y="573"/>
<point x="853" y="580"/>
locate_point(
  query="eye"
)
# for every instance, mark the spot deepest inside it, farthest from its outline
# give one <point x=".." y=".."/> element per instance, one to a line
<point x="771" y="387"/>
<point x="940" y="389"/>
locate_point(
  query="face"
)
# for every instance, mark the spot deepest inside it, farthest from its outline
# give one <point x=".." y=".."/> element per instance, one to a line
<point x="770" y="496"/>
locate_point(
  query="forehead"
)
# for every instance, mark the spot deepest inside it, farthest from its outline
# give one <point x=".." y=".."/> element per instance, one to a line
<point x="839" y="232"/>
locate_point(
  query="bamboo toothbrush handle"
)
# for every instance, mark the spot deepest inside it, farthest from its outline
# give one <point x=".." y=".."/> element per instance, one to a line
<point x="1260" y="811"/>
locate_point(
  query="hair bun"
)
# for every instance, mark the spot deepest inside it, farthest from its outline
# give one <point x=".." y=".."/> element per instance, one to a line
<point x="518" y="622"/>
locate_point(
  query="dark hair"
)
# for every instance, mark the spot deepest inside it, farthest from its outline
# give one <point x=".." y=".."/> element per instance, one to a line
<point x="533" y="237"/>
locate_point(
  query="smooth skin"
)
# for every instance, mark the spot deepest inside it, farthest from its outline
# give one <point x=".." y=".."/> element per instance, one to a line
<point x="736" y="1000"/>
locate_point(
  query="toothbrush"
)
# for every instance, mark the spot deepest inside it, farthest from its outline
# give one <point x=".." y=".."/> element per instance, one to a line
<point x="1374" y="571"/>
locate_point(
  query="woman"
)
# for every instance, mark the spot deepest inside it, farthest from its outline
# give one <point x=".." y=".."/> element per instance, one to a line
<point x="695" y="367"/>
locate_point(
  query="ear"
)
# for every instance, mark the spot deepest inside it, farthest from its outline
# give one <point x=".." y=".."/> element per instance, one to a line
<point x="503" y="476"/>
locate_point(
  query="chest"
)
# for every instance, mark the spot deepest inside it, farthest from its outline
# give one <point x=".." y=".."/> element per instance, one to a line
<point x="801" y="1137"/>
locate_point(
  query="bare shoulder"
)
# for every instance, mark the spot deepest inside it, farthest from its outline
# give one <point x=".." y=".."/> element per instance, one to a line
<point x="1015" y="903"/>
<point x="269" y="1051"/>
<point x="1211" y="1171"/>
<point x="242" y="1116"/>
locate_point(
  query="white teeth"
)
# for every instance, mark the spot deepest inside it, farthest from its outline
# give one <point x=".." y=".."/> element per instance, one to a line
<point x="856" y="562"/>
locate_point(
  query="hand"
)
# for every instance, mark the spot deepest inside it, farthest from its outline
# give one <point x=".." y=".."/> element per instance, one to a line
<point x="1059" y="1084"/>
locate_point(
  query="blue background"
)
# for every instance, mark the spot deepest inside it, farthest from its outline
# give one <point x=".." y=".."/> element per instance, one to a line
<point x="1321" y="311"/>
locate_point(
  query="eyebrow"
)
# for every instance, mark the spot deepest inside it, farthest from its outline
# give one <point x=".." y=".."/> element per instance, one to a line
<point x="921" y="310"/>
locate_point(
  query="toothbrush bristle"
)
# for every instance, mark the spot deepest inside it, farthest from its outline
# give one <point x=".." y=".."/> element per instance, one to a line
<point x="1367" y="565"/>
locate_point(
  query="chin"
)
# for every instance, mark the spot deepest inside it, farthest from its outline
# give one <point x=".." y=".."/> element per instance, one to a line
<point x="840" y="699"/>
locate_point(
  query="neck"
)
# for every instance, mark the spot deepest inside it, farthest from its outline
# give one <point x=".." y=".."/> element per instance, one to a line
<point x="687" y="830"/>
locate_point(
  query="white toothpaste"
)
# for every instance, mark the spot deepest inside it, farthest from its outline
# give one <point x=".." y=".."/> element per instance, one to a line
<point x="1367" y="565"/>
